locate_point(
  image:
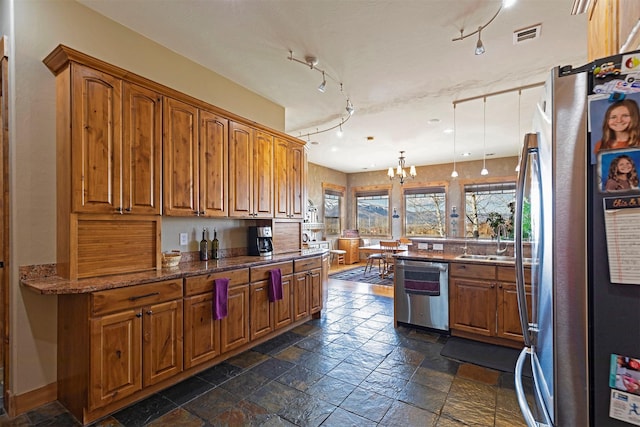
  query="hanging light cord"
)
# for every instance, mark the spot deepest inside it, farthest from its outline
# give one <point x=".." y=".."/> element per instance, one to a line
<point x="484" y="134"/>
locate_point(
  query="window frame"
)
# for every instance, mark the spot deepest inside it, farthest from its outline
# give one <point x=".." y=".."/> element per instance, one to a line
<point x="510" y="180"/>
<point x="372" y="190"/>
<point x="340" y="192"/>
<point x="417" y="188"/>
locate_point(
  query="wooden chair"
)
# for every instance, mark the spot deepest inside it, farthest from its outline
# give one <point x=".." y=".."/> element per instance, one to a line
<point x="371" y="258"/>
<point x="337" y="255"/>
<point x="389" y="247"/>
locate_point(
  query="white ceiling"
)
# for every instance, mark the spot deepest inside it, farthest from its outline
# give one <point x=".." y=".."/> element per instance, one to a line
<point x="395" y="58"/>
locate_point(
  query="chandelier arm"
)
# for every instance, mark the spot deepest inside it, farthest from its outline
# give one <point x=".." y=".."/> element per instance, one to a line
<point x="464" y="36"/>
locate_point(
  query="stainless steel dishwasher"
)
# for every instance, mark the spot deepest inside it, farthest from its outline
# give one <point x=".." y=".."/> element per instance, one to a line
<point x="422" y="293"/>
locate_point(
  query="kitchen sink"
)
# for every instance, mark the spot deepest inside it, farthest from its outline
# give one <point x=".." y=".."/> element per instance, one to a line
<point x="492" y="258"/>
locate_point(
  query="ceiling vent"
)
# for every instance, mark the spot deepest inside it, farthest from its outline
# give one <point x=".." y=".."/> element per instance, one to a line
<point x="526" y="34"/>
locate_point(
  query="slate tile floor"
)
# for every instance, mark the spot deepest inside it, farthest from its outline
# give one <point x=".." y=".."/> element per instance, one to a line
<point x="348" y="368"/>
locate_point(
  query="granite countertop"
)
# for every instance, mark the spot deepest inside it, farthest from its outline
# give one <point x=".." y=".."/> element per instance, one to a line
<point x="55" y="285"/>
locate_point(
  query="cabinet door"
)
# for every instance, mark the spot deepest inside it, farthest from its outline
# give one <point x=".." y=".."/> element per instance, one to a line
<point x="234" y="329"/>
<point x="116" y="357"/>
<point x="473" y="306"/>
<point x="240" y="164"/>
<point x="261" y="310"/>
<point x="300" y="295"/>
<point x="214" y="160"/>
<point x="284" y="307"/>
<point x="297" y="180"/>
<point x="263" y="175"/>
<point x="315" y="287"/>
<point x="141" y="150"/>
<point x="508" y="316"/>
<point x="201" y="331"/>
<point x="162" y="345"/>
<point x="180" y="150"/>
<point x="96" y="140"/>
<point x="281" y="178"/>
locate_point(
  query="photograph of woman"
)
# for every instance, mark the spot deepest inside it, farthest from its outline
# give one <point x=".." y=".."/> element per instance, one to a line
<point x="614" y="124"/>
<point x="622" y="175"/>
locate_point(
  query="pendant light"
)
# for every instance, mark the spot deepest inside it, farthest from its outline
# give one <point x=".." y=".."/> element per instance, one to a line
<point x="519" y="130"/>
<point x="454" y="173"/>
<point x="484" y="170"/>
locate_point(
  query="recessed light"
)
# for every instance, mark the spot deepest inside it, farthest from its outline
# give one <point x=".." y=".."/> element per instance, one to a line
<point x="334" y="149"/>
<point x="314" y="143"/>
<point x="448" y="130"/>
<point x="433" y="121"/>
<point x="467" y="154"/>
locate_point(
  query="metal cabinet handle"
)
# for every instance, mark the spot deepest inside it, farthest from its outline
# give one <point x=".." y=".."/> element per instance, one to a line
<point x="138" y="314"/>
<point x="119" y="209"/>
<point x="127" y="209"/>
<point x="137" y="297"/>
<point x="150" y="312"/>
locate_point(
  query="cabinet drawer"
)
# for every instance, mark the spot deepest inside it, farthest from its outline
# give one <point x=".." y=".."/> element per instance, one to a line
<point x="134" y="296"/>
<point x="474" y="271"/>
<point x="200" y="284"/>
<point x="306" y="264"/>
<point x="262" y="272"/>
<point x="508" y="274"/>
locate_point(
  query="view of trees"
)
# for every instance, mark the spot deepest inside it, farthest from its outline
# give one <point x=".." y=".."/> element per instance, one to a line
<point x="425" y="214"/>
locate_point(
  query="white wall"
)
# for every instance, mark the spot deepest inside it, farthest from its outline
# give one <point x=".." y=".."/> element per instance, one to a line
<point x="40" y="25"/>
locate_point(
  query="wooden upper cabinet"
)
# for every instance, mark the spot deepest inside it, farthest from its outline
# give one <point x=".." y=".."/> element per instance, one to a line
<point x="214" y="161"/>
<point x="180" y="183"/>
<point x="289" y="179"/>
<point x="96" y="118"/>
<point x="250" y="172"/>
<point x="142" y="150"/>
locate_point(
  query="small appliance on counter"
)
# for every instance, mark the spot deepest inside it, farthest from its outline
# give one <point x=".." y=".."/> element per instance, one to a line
<point x="260" y="241"/>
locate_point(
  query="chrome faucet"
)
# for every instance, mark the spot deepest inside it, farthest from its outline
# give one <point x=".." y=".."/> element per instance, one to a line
<point x="499" y="230"/>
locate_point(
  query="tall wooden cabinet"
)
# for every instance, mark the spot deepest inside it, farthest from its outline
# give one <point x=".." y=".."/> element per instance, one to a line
<point x="289" y="174"/>
<point x="195" y="161"/>
<point x="250" y="172"/>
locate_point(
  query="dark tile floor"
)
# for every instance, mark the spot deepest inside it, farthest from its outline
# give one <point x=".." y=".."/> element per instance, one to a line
<point x="348" y="368"/>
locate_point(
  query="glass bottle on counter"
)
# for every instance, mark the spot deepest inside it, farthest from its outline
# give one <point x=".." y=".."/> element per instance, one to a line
<point x="204" y="246"/>
<point x="214" y="245"/>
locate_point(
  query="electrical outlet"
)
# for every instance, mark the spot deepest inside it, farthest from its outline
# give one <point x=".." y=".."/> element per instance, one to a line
<point x="423" y="245"/>
<point x="438" y="247"/>
<point x="184" y="239"/>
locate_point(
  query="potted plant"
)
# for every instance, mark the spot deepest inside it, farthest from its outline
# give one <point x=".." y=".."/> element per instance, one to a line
<point x="494" y="219"/>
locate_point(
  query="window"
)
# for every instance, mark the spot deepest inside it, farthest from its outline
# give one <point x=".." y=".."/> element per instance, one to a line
<point x="332" y="204"/>
<point x="487" y="206"/>
<point x="372" y="213"/>
<point x="425" y="211"/>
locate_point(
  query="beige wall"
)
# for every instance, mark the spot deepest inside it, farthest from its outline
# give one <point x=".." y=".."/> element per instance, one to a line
<point x="39" y="26"/>
<point x="499" y="169"/>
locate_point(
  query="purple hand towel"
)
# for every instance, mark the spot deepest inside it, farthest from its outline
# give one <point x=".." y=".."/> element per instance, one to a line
<point x="220" y="290"/>
<point x="275" y="285"/>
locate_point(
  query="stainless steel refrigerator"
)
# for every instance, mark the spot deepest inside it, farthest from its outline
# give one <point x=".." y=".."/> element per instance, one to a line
<point x="580" y="319"/>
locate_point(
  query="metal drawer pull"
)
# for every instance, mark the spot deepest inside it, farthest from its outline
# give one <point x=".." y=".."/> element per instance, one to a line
<point x="152" y="294"/>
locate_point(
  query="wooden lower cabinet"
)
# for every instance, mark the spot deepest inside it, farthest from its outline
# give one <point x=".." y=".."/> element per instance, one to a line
<point x="484" y="305"/>
<point x="351" y="246"/>
<point x="120" y="345"/>
<point x="307" y="287"/>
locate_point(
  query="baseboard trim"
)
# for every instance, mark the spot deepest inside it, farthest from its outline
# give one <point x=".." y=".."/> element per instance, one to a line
<point x="21" y="403"/>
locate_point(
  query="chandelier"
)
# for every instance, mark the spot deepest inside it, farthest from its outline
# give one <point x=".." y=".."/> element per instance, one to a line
<point x="400" y="172"/>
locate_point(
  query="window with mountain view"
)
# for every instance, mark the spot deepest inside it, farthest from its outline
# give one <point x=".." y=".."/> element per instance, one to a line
<point x="332" y="202"/>
<point x="425" y="211"/>
<point x="488" y="206"/>
<point x="372" y="213"/>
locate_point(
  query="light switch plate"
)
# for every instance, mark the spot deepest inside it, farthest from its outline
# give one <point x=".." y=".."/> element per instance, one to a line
<point x="423" y="245"/>
<point x="438" y="247"/>
<point x="184" y="239"/>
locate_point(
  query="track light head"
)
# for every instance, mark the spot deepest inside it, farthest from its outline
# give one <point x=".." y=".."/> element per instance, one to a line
<point x="323" y="84"/>
<point x="350" y="108"/>
<point x="479" y="45"/>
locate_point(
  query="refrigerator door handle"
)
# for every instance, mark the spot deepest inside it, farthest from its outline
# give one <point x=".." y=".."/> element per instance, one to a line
<point x="529" y="149"/>
<point x="522" y="399"/>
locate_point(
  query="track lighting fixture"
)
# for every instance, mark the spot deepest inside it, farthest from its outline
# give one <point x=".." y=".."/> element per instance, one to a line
<point x="339" y="132"/>
<point x="479" y="45"/>
<point x="454" y="173"/>
<point x="323" y="84"/>
<point x="312" y="62"/>
<point x="484" y="170"/>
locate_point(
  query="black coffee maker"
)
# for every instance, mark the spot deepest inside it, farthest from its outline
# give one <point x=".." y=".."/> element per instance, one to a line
<point x="260" y="241"/>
